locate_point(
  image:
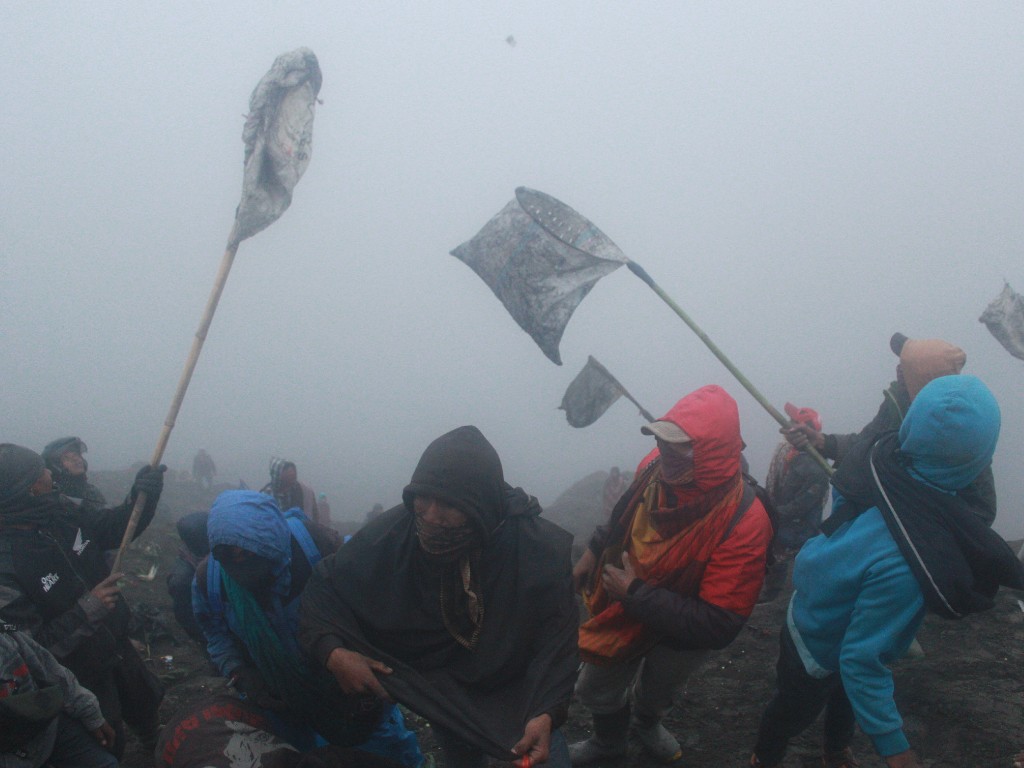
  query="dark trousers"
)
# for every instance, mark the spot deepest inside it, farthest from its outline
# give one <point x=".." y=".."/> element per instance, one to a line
<point x="75" y="747"/>
<point x="796" y="703"/>
<point x="128" y="694"/>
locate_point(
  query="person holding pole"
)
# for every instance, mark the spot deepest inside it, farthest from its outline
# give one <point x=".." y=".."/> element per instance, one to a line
<point x="921" y="360"/>
<point x="674" y="573"/>
<point x="900" y="542"/>
<point x="55" y="584"/>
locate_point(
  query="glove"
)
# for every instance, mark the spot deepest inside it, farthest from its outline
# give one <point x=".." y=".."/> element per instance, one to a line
<point x="150" y="481"/>
<point x="249" y="681"/>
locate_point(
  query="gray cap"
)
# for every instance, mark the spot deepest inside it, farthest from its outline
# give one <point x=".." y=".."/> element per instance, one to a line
<point x="668" y="431"/>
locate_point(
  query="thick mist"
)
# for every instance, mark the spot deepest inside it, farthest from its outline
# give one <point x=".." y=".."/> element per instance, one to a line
<point x="804" y="179"/>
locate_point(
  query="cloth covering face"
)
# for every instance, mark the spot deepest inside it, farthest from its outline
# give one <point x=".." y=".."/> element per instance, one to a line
<point x="669" y="532"/>
<point x="380" y="595"/>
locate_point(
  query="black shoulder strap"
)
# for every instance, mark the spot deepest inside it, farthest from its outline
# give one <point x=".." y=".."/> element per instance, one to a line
<point x="752" y="490"/>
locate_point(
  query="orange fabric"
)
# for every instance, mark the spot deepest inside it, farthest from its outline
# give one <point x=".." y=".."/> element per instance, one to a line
<point x="670" y="532"/>
<point x="922" y="360"/>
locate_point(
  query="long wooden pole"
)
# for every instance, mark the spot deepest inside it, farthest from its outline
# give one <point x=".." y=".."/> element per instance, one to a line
<point x="186" y="376"/>
<point x="640" y="272"/>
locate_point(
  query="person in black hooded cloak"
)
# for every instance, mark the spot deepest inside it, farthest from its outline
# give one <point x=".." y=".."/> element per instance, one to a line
<point x="458" y="603"/>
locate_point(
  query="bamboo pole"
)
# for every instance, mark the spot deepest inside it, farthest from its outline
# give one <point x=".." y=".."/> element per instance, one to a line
<point x="640" y="272"/>
<point x="186" y="377"/>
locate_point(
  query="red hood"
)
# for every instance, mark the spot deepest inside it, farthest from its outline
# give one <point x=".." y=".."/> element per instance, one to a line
<point x="710" y="417"/>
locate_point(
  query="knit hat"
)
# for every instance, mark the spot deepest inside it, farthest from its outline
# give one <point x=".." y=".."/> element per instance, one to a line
<point x="922" y="360"/>
<point x="19" y="469"/>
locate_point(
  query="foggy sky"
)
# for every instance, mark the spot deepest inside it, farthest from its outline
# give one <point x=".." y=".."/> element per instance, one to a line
<point x="804" y="179"/>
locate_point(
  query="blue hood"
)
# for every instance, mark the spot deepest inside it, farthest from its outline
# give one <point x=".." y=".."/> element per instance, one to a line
<point x="950" y="431"/>
<point x="252" y="521"/>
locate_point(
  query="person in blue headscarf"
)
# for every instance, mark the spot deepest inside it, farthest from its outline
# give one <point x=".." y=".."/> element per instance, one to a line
<point x="246" y="600"/>
<point x="901" y="541"/>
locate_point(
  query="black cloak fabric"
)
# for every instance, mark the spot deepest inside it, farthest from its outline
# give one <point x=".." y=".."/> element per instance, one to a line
<point x="959" y="562"/>
<point x="380" y="595"/>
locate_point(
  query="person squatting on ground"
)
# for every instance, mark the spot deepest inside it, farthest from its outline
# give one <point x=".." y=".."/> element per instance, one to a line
<point x="46" y="716"/>
<point x="459" y="604"/>
<point x="68" y="467"/>
<point x="56" y="584"/>
<point x="288" y="491"/>
<point x="900" y="541"/>
<point x="921" y="360"/>
<point x="194" y="547"/>
<point x="246" y="600"/>
<point x="675" y="572"/>
<point x="798" y="488"/>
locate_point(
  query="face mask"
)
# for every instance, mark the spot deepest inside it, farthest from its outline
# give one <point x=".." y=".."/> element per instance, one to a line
<point x="677" y="464"/>
<point x="254" y="573"/>
<point x="444" y="541"/>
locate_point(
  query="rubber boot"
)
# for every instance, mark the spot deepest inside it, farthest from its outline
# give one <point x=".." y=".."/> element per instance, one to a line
<point x="610" y="739"/>
<point x="657" y="741"/>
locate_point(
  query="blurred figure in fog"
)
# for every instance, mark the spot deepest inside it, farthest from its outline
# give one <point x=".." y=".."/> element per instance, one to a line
<point x="323" y="510"/>
<point x="203" y="469"/>
<point x="288" y="492"/>
<point x="374" y="513"/>
<point x="614" y="487"/>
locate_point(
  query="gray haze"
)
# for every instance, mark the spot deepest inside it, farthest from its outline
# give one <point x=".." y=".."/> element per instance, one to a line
<point x="803" y="178"/>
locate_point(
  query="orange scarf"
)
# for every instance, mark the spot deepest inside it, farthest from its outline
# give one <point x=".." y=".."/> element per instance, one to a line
<point x="670" y="547"/>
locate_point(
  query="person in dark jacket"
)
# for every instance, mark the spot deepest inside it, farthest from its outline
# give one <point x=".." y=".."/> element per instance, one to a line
<point x="46" y="716"/>
<point x="55" y="583"/>
<point x="246" y="600"/>
<point x="68" y="466"/>
<point x="900" y="542"/>
<point x="798" y="488"/>
<point x="194" y="547"/>
<point x="458" y="603"/>
<point x="921" y="360"/>
<point x="675" y="572"/>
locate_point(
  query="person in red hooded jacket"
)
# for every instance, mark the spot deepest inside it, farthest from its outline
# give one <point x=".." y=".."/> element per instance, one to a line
<point x="674" y="573"/>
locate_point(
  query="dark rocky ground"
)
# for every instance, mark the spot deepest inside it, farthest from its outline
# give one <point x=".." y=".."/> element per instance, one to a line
<point x="963" y="702"/>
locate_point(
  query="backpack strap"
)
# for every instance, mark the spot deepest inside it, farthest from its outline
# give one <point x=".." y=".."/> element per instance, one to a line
<point x="296" y="518"/>
<point x="213" y="583"/>
<point x="753" y="490"/>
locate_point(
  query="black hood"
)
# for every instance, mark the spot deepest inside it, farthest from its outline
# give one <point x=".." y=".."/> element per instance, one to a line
<point x="462" y="468"/>
<point x="192" y="530"/>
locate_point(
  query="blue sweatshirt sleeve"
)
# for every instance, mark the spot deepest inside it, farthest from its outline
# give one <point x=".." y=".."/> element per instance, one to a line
<point x="887" y="615"/>
<point x="225" y="653"/>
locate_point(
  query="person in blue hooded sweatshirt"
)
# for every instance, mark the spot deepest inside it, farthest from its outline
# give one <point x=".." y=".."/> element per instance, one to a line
<point x="245" y="598"/>
<point x="900" y="542"/>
